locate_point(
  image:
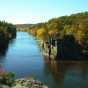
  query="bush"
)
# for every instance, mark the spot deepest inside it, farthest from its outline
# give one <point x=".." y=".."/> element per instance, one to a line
<point x="7" y="78"/>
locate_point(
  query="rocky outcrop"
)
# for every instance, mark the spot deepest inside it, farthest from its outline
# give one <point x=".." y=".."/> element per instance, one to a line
<point x="69" y="49"/>
<point x="26" y="83"/>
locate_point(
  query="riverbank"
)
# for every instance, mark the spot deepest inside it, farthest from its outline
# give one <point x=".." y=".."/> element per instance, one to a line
<point x="25" y="83"/>
<point x="45" y="50"/>
<point x="66" y="50"/>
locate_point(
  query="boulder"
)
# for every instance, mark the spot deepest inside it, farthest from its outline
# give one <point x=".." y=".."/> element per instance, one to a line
<point x="28" y="83"/>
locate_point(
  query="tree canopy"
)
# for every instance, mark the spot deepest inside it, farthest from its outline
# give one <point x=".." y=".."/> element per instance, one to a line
<point x="75" y="24"/>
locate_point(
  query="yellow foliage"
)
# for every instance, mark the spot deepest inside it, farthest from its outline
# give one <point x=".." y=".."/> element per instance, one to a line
<point x="41" y="33"/>
<point x="79" y="35"/>
<point x="52" y="31"/>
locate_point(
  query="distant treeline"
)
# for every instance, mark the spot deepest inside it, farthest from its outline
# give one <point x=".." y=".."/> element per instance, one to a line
<point x="7" y="32"/>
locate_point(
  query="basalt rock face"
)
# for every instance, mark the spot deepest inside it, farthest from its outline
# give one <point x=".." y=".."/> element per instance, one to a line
<point x="25" y="83"/>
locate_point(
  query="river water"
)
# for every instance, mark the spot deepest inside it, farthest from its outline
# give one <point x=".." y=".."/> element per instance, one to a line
<point x="24" y="57"/>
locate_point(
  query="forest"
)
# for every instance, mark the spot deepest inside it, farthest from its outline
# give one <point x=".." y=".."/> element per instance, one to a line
<point x="75" y="24"/>
<point x="74" y="27"/>
<point x="7" y="33"/>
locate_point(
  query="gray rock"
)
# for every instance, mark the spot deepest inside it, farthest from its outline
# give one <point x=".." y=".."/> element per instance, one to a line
<point x="28" y="83"/>
<point x="25" y="83"/>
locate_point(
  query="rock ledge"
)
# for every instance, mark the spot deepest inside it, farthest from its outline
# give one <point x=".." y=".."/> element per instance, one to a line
<point x="26" y="83"/>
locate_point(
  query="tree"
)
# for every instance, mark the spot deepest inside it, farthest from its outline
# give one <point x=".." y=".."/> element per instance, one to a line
<point x="41" y="34"/>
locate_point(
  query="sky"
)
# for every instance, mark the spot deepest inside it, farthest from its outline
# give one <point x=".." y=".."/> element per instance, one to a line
<point x="36" y="11"/>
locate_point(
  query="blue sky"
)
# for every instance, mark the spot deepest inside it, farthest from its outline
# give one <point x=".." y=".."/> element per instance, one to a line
<point x="35" y="11"/>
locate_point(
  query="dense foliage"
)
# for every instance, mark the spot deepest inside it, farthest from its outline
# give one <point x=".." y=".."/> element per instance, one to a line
<point x="7" y="32"/>
<point x="75" y="24"/>
<point x="7" y="78"/>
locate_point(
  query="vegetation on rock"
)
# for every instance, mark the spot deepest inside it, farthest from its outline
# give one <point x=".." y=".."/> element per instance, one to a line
<point x="7" y="32"/>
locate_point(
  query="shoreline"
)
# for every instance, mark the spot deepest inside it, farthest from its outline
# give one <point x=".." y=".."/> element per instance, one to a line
<point x="25" y="83"/>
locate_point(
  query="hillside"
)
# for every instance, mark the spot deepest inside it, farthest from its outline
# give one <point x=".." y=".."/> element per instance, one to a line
<point x="75" y="24"/>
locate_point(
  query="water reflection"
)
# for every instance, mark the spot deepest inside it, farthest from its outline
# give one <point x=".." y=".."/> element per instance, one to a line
<point x="67" y="74"/>
<point x="4" y="48"/>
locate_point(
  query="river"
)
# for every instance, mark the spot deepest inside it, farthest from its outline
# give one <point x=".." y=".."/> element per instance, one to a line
<point x="24" y="57"/>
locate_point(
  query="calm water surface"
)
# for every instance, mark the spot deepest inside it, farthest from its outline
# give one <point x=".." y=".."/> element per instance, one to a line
<point x="24" y="57"/>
